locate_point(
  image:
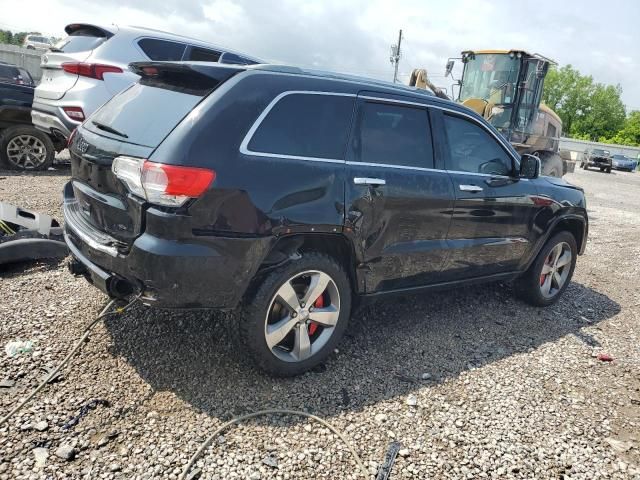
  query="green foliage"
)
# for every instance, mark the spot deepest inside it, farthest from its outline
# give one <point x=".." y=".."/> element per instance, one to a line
<point x="7" y="36"/>
<point x="629" y="134"/>
<point x="588" y="110"/>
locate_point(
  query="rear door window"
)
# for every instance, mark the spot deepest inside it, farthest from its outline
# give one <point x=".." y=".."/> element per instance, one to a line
<point x="8" y="74"/>
<point x="198" y="54"/>
<point x="306" y="125"/>
<point x="162" y="50"/>
<point x="472" y="149"/>
<point x="233" y="59"/>
<point x="392" y="134"/>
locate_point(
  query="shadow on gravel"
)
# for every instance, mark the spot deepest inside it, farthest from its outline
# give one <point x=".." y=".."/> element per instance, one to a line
<point x="198" y="357"/>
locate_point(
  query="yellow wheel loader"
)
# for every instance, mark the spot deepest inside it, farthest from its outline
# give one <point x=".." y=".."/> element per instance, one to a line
<point x="505" y="87"/>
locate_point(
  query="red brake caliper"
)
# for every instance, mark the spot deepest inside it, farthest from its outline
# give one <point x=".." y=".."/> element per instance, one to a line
<point x="319" y="303"/>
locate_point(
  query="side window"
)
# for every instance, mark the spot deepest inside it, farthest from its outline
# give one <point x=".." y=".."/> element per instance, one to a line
<point x="306" y="125"/>
<point x="233" y="59"/>
<point x="473" y="149"/>
<point x="162" y="50"/>
<point x="393" y="135"/>
<point x="198" y="54"/>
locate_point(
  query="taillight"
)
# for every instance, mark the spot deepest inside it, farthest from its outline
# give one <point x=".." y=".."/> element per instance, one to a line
<point x="162" y="184"/>
<point x="91" y="70"/>
<point x="74" y="113"/>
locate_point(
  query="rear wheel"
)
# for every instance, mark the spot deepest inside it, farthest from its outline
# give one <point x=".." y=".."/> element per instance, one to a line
<point x="26" y="148"/>
<point x="550" y="274"/>
<point x="608" y="169"/>
<point x="297" y="315"/>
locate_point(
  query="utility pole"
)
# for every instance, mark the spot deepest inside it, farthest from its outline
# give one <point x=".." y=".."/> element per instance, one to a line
<point x="395" y="56"/>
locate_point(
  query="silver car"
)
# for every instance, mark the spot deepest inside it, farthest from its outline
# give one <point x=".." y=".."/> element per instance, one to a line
<point x="87" y="68"/>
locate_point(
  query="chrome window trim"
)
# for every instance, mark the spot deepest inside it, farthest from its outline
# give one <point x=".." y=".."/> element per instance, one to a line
<point x="244" y="146"/>
<point x="244" y="149"/>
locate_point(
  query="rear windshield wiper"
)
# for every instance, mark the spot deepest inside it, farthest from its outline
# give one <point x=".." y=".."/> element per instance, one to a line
<point x="109" y="129"/>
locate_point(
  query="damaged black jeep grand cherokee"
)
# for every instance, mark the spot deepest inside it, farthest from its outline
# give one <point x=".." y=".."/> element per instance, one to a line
<point x="291" y="193"/>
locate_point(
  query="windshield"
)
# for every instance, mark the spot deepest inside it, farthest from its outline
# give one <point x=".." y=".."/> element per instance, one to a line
<point x="597" y="151"/>
<point x="490" y="77"/>
<point x="620" y="157"/>
<point x="80" y="41"/>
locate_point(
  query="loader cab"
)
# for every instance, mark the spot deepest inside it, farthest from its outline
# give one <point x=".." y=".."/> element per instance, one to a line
<point x="505" y="87"/>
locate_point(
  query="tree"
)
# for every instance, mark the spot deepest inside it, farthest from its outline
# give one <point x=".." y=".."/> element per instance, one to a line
<point x="605" y="114"/>
<point x="568" y="92"/>
<point x="629" y="134"/>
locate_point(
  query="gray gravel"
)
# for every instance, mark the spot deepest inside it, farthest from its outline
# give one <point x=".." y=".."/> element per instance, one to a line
<point x="473" y="383"/>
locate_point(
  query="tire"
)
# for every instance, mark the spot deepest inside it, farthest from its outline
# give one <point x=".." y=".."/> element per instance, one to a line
<point x="266" y="308"/>
<point x="551" y="164"/>
<point x="585" y="165"/>
<point x="608" y="170"/>
<point x="38" y="153"/>
<point x="531" y="286"/>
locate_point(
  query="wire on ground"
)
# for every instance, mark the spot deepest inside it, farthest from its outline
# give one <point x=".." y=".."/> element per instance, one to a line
<point x="103" y="313"/>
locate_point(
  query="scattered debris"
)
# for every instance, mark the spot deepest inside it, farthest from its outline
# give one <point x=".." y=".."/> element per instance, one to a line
<point x="380" y="417"/>
<point x="66" y="452"/>
<point x="426" y="376"/>
<point x="404" y="452"/>
<point x="84" y="410"/>
<point x="115" y="467"/>
<point x="6" y="383"/>
<point x="18" y="347"/>
<point x="604" y="357"/>
<point x="270" y="460"/>
<point x="389" y="459"/>
<point x="412" y="400"/>
<point x="618" y="445"/>
<point x="195" y="474"/>
<point x="41" y="426"/>
<point x="41" y="454"/>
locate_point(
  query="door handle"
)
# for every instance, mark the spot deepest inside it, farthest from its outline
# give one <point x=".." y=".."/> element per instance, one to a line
<point x="369" y="181"/>
<point x="470" y="188"/>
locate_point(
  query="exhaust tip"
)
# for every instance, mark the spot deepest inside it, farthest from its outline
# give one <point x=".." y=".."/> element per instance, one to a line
<point x="120" y="288"/>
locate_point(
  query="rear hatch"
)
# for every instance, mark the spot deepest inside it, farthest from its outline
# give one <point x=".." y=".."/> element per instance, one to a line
<point x="77" y="47"/>
<point x="131" y="124"/>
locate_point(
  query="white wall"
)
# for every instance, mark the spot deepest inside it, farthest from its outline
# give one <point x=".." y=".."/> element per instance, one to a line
<point x="28" y="59"/>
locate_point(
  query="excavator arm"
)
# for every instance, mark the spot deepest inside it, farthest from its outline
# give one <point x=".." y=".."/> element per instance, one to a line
<point x="419" y="79"/>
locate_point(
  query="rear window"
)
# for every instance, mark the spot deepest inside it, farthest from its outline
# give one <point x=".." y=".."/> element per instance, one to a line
<point x="81" y="40"/>
<point x="162" y="50"/>
<point x="145" y="113"/>
<point x="306" y="125"/>
<point x="198" y="54"/>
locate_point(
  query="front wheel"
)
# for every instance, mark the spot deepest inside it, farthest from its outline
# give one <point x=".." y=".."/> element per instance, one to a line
<point x="549" y="275"/>
<point x="608" y="169"/>
<point x="297" y="315"/>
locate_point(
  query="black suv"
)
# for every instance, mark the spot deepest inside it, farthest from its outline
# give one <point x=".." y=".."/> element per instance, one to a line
<point x="291" y="193"/>
<point x="597" y="157"/>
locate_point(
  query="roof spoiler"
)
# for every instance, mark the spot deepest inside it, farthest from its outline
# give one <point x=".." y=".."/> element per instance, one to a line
<point x="93" y="29"/>
<point x="195" y="78"/>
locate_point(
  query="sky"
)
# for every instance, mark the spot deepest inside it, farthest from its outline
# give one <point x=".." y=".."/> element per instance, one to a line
<point x="599" y="38"/>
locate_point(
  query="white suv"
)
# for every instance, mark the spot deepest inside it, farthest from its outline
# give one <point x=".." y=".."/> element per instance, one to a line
<point x="87" y="68"/>
<point x="36" y="42"/>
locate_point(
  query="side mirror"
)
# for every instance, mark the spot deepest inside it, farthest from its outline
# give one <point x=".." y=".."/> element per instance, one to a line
<point x="529" y="166"/>
<point x="449" y="68"/>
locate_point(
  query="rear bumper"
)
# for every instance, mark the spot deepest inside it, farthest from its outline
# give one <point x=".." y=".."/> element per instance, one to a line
<point x="190" y="272"/>
<point x="52" y="119"/>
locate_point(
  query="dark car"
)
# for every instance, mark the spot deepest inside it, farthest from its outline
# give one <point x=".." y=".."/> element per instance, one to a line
<point x="22" y="146"/>
<point x="597" y="157"/>
<point x="292" y="193"/>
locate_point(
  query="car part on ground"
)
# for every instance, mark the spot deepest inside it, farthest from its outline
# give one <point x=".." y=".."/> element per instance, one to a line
<point x="26" y="235"/>
<point x="287" y="204"/>
<point x="89" y="66"/>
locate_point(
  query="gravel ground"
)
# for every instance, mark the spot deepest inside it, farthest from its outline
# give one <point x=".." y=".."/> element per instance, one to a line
<point x="473" y="383"/>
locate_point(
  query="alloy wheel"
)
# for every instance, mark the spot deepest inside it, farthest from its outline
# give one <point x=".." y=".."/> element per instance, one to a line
<point x="302" y="316"/>
<point x="555" y="270"/>
<point x="26" y="152"/>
